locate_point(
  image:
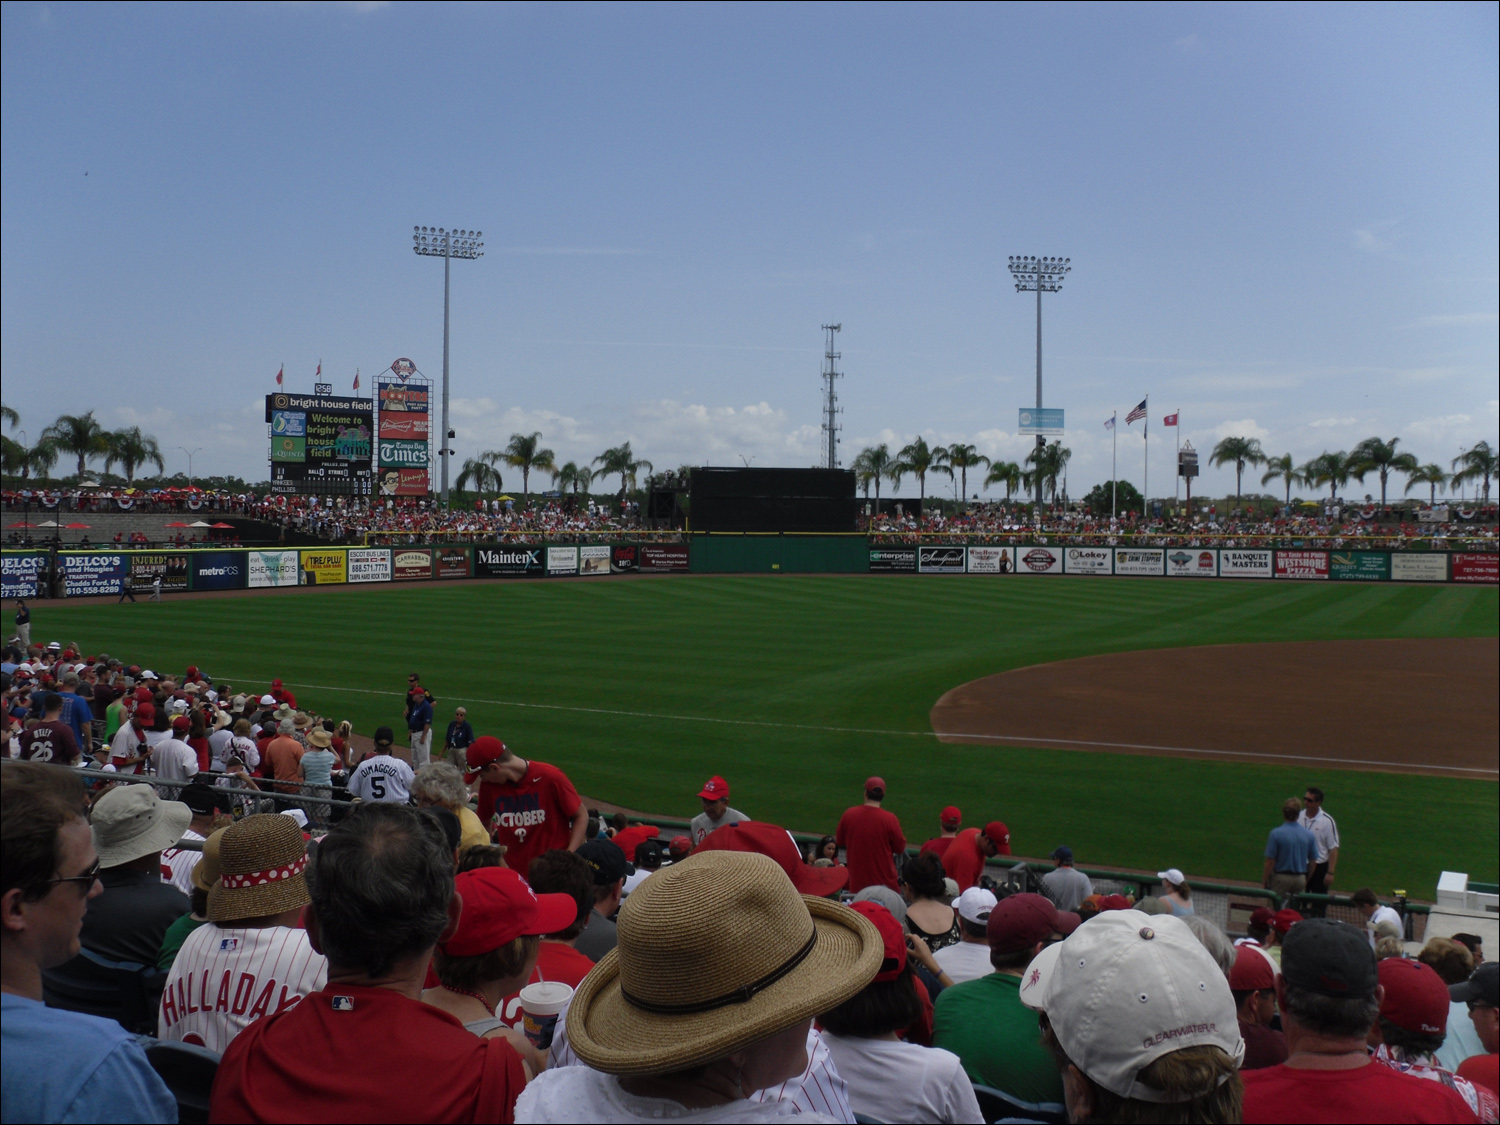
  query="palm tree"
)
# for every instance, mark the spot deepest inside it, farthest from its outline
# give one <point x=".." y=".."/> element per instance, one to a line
<point x="39" y="458"/>
<point x="1282" y="468"/>
<point x="132" y="449"/>
<point x="481" y="473"/>
<point x="963" y="458"/>
<point x="1241" y="451"/>
<point x="1327" y="468"/>
<point x="1479" y="463"/>
<point x="1048" y="463"/>
<point x="623" y="461"/>
<point x="9" y="415"/>
<point x="1007" y="473"/>
<point x="523" y="453"/>
<point x="573" y="476"/>
<point x="1431" y="475"/>
<point x="875" y="463"/>
<point x="919" y="458"/>
<point x="1374" y="455"/>
<point x="80" y="435"/>
<point x="12" y="456"/>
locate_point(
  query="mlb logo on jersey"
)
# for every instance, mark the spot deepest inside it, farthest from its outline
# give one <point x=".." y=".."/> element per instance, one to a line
<point x="343" y="1003"/>
<point x="229" y="944"/>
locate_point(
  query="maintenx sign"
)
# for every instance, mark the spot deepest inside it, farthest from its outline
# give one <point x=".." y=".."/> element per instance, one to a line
<point x="508" y="562"/>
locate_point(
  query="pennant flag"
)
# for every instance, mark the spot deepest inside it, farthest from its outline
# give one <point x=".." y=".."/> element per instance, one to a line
<point x="1109" y="423"/>
<point x="279" y="374"/>
<point x="356" y="378"/>
<point x="318" y="374"/>
<point x="1169" y="420"/>
<point x="1138" y="413"/>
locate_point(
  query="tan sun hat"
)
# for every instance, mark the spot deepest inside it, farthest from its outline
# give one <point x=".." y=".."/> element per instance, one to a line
<point x="716" y="953"/>
<point x="302" y="721"/>
<point x="131" y="821"/>
<point x="206" y="870"/>
<point x="261" y="863"/>
<point x="320" y="739"/>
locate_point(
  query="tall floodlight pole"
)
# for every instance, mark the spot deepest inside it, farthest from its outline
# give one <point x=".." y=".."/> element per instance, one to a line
<point x="190" y="452"/>
<point x="1039" y="275"/>
<point x="830" y="396"/>
<point x="438" y="242"/>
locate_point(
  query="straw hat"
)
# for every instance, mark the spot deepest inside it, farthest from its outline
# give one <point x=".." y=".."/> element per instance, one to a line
<point x="261" y="862"/>
<point x="716" y="953"/>
<point x="320" y="739"/>
<point x="131" y="821"/>
<point x="303" y="720"/>
<point x="206" y="870"/>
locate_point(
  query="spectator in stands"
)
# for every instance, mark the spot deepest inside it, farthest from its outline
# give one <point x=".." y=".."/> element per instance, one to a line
<point x="51" y="740"/>
<point x="458" y="738"/>
<point x="382" y="777"/>
<point x="949" y="821"/>
<point x="608" y="868"/>
<point x="970" y="957"/>
<point x="253" y="957"/>
<point x="825" y="852"/>
<point x="57" y="1065"/>
<point x="1178" y="898"/>
<point x="205" y="874"/>
<point x="172" y="757"/>
<point x="1253" y="983"/>
<point x="1413" y="1022"/>
<point x="965" y="858"/>
<point x="1258" y="928"/>
<point x="870" y="837"/>
<point x="77" y="712"/>
<point x="1140" y="1021"/>
<point x="1454" y="964"/>
<point x="129" y="748"/>
<point x="716" y="811"/>
<point x="439" y="784"/>
<point x="1365" y="901"/>
<point x="1291" y="853"/>
<point x="531" y="807"/>
<point x="719" y="1011"/>
<point x="1213" y="938"/>
<point x="890" y="1079"/>
<point x="132" y="827"/>
<point x="1329" y="996"/>
<point x="382" y="898"/>
<point x="558" y="872"/>
<point x="283" y="757"/>
<point x="776" y="843"/>
<point x="1326" y="831"/>
<point x="1474" y="944"/>
<point x="1480" y="994"/>
<point x="318" y="763"/>
<point x="983" y="1020"/>
<point x="203" y="803"/>
<point x="929" y="913"/>
<point x="1065" y="885"/>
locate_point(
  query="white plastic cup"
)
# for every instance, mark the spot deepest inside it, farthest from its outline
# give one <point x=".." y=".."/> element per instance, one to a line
<point x="541" y="1004"/>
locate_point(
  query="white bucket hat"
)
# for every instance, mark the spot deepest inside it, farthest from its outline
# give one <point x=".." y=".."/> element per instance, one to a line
<point x="131" y="821"/>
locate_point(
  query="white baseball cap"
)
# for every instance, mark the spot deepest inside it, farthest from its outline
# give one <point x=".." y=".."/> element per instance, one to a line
<point x="268" y="701"/>
<point x="149" y="675"/>
<point x="1126" y="988"/>
<point x="1172" y="875"/>
<point x="975" y="904"/>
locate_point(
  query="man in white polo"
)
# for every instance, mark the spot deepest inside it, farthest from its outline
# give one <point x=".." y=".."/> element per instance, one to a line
<point x="1326" y="831"/>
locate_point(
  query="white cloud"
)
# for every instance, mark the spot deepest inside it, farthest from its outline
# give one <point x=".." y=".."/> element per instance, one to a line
<point x="1244" y="427"/>
<point x="1332" y="422"/>
<point x="1189" y="44"/>
<point x="1377" y="238"/>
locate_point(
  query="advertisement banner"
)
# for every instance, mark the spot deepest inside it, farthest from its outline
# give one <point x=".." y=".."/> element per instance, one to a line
<point x="1426" y="566"/>
<point x="19" y="574"/>
<point x="1245" y="564"/>
<point x="1039" y="420"/>
<point x="1039" y="560"/>
<point x="1087" y="560"/>
<point x="1475" y="568"/>
<point x="502" y="561"/>
<point x="88" y="575"/>
<point x="369" y="564"/>
<point x="409" y="563"/>
<point x="1143" y="562"/>
<point x="324" y="568"/>
<point x="405" y="427"/>
<point x="219" y="570"/>
<point x="1302" y="564"/>
<point x="624" y="559"/>
<point x="940" y="560"/>
<point x="664" y="556"/>
<point x="401" y="397"/>
<point x="1359" y="566"/>
<point x="991" y="560"/>
<point x="1192" y="562"/>
<point x="452" y="562"/>
<point x="272" y="568"/>
<point x="593" y="560"/>
<point x="320" y="443"/>
<point x="403" y="482"/>
<point x="562" y="560"/>
<point x="146" y="567"/>
<point x="893" y="559"/>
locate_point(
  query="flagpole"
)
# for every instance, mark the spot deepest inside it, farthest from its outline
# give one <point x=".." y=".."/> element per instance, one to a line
<point x="1146" y="459"/>
<point x="1114" y="460"/>
<point x="1177" y="479"/>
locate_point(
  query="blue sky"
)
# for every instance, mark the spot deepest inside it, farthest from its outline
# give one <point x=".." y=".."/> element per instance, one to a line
<point x="1282" y="220"/>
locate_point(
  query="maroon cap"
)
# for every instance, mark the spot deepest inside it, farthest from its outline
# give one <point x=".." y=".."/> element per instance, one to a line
<point x="1068" y="921"/>
<point x="775" y="842"/>
<point x="1020" y="921"/>
<point x="1252" y="970"/>
<point x="950" y="817"/>
<point x="1416" y="998"/>
<point x="1263" y="916"/>
<point x="874" y="783"/>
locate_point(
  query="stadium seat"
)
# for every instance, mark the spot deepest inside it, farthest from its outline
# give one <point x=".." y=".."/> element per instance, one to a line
<point x="118" y="990"/>
<point x="998" y="1106"/>
<point x="188" y="1072"/>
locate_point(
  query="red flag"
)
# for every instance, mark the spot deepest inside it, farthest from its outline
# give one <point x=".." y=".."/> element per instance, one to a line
<point x="279" y="374"/>
<point x="356" y="378"/>
<point x="318" y="374"/>
<point x="1169" y="420"/>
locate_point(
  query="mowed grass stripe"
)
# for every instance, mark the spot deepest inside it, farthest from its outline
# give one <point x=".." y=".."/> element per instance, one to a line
<point x="845" y="651"/>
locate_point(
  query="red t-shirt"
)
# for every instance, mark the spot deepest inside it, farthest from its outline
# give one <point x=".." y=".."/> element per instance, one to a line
<point x="938" y="846"/>
<point x="628" y="839"/>
<point x="870" y="837"/>
<point x="963" y="862"/>
<point x="555" y="961"/>
<point x="1482" y="1071"/>
<point x="340" y="1055"/>
<point x="200" y="746"/>
<point x="533" y="812"/>
<point x="1372" y="1093"/>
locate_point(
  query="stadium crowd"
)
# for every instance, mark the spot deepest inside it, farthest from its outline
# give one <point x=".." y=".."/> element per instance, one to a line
<point x="345" y="930"/>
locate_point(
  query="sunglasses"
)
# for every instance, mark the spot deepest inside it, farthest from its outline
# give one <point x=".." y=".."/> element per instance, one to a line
<point x="86" y="880"/>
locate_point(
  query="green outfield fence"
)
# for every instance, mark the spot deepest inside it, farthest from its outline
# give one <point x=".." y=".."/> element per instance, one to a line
<point x="103" y="573"/>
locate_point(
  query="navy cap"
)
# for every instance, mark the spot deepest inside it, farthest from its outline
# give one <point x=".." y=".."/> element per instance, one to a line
<point x="1329" y="958"/>
<point x="606" y="861"/>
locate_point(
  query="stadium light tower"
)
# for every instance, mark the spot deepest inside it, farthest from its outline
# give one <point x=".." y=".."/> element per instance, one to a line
<point x="1039" y="275"/>
<point x="437" y="242"/>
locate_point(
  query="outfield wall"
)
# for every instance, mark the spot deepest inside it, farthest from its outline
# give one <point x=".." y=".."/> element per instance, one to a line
<point x="106" y="573"/>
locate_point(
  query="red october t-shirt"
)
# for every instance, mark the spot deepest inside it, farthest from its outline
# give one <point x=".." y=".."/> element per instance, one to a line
<point x="870" y="837"/>
<point x="1371" y="1093"/>
<point x="533" y="813"/>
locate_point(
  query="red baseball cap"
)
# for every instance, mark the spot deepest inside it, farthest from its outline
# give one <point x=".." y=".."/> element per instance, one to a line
<point x="1113" y="902"/>
<point x="999" y="835"/>
<point x="145" y="713"/>
<point x="892" y="936"/>
<point x="874" y="783"/>
<point x="775" y="842"/>
<point x="680" y="846"/>
<point x="1252" y="971"/>
<point x="1020" y="921"/>
<point x="499" y="907"/>
<point x="181" y="722"/>
<point x="481" y="752"/>
<point x="717" y="789"/>
<point x="1415" y="996"/>
<point x="950" y="817"/>
<point x="1285" y="920"/>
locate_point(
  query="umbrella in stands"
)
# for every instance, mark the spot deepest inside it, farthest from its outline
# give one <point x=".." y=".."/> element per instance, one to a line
<point x="77" y="527"/>
<point x="200" y="523"/>
<point x="178" y="523"/>
<point x="49" y="523"/>
<point x="223" y="526"/>
<point x="23" y="523"/>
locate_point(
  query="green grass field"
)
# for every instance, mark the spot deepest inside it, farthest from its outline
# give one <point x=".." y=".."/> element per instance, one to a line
<point x="642" y="688"/>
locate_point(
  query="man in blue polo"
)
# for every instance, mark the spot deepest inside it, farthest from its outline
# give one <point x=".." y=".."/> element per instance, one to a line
<point x="1291" y="853"/>
<point x="419" y="725"/>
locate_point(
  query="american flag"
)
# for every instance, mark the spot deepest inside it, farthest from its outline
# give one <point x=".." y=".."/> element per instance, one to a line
<point x="1109" y="423"/>
<point x="1138" y="413"/>
<point x="356" y="378"/>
